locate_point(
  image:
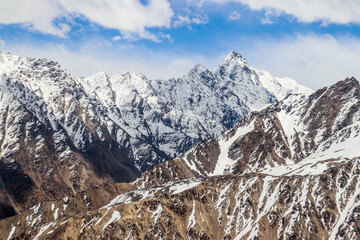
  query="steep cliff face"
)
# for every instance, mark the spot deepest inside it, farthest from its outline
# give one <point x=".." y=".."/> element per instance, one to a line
<point x="54" y="139"/>
<point x="290" y="171"/>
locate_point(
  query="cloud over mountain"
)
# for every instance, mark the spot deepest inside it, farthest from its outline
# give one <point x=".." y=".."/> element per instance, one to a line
<point x="54" y="17"/>
<point x="333" y="11"/>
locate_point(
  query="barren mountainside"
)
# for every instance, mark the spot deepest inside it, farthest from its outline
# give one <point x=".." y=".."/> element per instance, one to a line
<point x="289" y="171"/>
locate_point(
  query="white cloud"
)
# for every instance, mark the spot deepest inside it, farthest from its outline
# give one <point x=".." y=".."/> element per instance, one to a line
<point x="328" y="11"/>
<point x="129" y="17"/>
<point x="235" y="15"/>
<point x="187" y="20"/>
<point x="267" y="19"/>
<point x="116" y="38"/>
<point x="36" y="14"/>
<point x="315" y="61"/>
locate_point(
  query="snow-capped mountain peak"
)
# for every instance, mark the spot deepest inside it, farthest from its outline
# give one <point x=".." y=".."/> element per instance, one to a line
<point x="234" y="56"/>
<point x="198" y="68"/>
<point x="234" y="67"/>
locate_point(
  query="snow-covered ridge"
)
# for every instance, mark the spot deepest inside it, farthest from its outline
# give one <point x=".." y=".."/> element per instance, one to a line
<point x="279" y="87"/>
<point x="178" y="113"/>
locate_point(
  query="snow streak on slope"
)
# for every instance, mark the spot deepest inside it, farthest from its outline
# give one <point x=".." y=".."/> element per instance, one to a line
<point x="141" y="194"/>
<point x="224" y="164"/>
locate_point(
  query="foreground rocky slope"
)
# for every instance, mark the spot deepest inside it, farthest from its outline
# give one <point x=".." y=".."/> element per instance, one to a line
<point x="60" y="135"/>
<point x="290" y="171"/>
<point x="250" y="206"/>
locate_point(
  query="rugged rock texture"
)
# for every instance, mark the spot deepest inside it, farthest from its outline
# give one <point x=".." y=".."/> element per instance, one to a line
<point x="60" y="135"/>
<point x="290" y="171"/>
<point x="68" y="207"/>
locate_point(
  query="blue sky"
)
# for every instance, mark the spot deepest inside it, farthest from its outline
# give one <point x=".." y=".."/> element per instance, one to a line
<point x="316" y="42"/>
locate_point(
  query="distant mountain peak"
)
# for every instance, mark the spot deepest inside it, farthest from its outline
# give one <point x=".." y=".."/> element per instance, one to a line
<point x="352" y="80"/>
<point x="234" y="55"/>
<point x="347" y="86"/>
<point x="200" y="72"/>
<point x="231" y="63"/>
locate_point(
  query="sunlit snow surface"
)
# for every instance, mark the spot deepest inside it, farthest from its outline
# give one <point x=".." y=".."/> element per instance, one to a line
<point x="225" y="163"/>
<point x="141" y="194"/>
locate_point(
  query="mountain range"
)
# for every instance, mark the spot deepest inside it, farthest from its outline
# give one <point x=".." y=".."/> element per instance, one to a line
<point x="253" y="156"/>
<point x="61" y="135"/>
